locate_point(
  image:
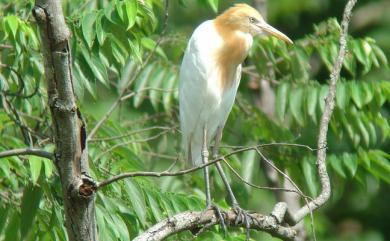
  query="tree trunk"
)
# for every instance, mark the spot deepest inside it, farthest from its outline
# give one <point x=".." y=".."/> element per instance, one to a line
<point x="68" y="127"/>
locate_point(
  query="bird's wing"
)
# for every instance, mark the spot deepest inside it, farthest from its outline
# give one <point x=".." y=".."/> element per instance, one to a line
<point x="197" y="74"/>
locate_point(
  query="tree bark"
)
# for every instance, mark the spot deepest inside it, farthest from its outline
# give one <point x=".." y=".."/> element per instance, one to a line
<point x="69" y="129"/>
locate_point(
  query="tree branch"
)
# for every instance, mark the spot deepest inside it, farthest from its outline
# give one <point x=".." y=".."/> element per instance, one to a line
<point x="71" y="153"/>
<point x="325" y="119"/>
<point x="27" y="151"/>
<point x="191" y="220"/>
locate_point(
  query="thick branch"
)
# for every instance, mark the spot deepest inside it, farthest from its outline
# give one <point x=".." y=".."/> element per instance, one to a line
<point x="325" y="119"/>
<point x="27" y="151"/>
<point x="191" y="220"/>
<point x="69" y="129"/>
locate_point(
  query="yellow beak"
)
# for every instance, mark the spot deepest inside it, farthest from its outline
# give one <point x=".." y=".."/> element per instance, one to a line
<point x="274" y="32"/>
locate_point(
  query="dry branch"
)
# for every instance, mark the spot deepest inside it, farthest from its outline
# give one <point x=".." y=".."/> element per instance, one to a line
<point x="191" y="220"/>
<point x="325" y="119"/>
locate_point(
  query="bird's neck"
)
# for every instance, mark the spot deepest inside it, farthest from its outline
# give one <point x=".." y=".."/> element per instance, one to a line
<point x="232" y="52"/>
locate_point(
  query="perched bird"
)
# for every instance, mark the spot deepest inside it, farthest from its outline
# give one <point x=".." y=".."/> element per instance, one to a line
<point x="209" y="77"/>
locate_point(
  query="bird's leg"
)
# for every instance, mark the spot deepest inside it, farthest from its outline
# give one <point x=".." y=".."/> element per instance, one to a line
<point x="242" y="215"/>
<point x="209" y="205"/>
<point x="205" y="159"/>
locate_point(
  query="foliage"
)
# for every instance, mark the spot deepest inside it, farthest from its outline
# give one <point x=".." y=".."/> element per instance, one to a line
<point x="111" y="43"/>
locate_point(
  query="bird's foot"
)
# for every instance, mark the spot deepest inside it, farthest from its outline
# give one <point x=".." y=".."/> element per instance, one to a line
<point x="243" y="216"/>
<point x="221" y="215"/>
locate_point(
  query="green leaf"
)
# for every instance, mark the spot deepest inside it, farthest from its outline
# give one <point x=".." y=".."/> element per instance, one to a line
<point x="141" y="84"/>
<point x="295" y="104"/>
<point x="150" y="44"/>
<point x="371" y="130"/>
<point x="169" y="85"/>
<point x="166" y="203"/>
<point x="380" y="165"/>
<point x="118" y="51"/>
<point x="350" y="63"/>
<point x="30" y="202"/>
<point x="153" y="204"/>
<point x="325" y="56"/>
<point x="213" y="4"/>
<point x="11" y="232"/>
<point x="357" y="94"/>
<point x="11" y="24"/>
<point x="48" y="164"/>
<point x="87" y="28"/>
<point x="135" y="50"/>
<point x="312" y="102"/>
<point x="350" y="161"/>
<point x="281" y="100"/>
<point x="118" y="6"/>
<point x="364" y="157"/>
<point x="4" y="211"/>
<point x="131" y="12"/>
<point x="100" y="33"/>
<point x="308" y="168"/>
<point x="35" y="167"/>
<point x="358" y="50"/>
<point x="100" y="69"/>
<point x="95" y="66"/>
<point x="380" y="54"/>
<point x="155" y="83"/>
<point x="342" y="96"/>
<point x="80" y="77"/>
<point x="137" y="200"/>
<point x="336" y="163"/>
<point x="368" y="52"/>
<point x="368" y="90"/>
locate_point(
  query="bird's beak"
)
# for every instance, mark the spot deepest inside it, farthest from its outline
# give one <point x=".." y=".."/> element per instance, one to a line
<point x="274" y="32"/>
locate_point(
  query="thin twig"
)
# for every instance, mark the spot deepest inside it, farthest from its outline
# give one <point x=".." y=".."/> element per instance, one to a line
<point x="155" y="174"/>
<point x="262" y="187"/>
<point x="27" y="151"/>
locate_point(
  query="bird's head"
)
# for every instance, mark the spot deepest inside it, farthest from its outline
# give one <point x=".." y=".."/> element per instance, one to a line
<point x="244" y="18"/>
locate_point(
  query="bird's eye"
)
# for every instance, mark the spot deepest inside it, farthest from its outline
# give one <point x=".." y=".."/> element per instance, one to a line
<point x="252" y="20"/>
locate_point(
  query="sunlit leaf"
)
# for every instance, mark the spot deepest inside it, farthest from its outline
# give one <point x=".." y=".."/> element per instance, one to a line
<point x="213" y="4"/>
<point x="281" y="100"/>
<point x="131" y="13"/>
<point x="87" y="28"/>
<point x="35" y="167"/>
<point x="12" y="24"/>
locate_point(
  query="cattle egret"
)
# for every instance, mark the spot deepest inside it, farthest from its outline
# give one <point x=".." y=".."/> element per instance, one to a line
<point x="209" y="77"/>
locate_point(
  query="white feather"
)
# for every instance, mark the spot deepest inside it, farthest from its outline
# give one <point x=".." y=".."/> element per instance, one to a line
<point x="202" y="102"/>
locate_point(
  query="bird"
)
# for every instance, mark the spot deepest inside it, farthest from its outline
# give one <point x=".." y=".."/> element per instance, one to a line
<point x="209" y="77"/>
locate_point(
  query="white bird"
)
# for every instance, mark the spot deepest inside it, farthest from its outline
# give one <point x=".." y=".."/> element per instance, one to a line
<point x="209" y="77"/>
